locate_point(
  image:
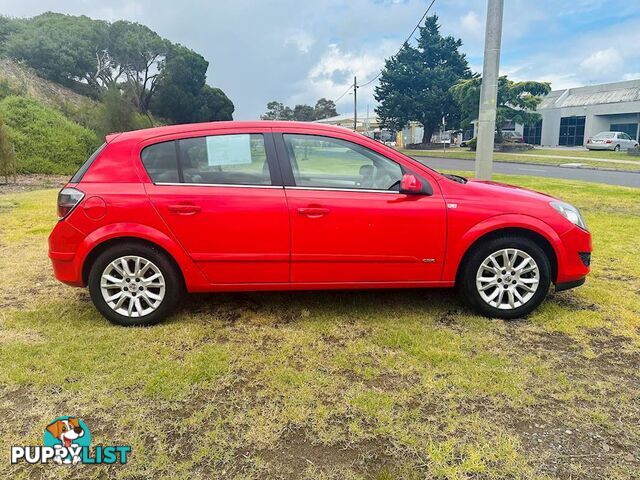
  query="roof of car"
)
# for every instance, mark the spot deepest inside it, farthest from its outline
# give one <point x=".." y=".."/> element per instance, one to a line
<point x="194" y="127"/>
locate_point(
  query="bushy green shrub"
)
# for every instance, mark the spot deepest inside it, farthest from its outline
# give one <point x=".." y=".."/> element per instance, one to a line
<point x="473" y="143"/>
<point x="7" y="154"/>
<point x="45" y="141"/>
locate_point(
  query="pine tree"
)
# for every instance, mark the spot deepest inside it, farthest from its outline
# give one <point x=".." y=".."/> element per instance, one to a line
<point x="415" y="83"/>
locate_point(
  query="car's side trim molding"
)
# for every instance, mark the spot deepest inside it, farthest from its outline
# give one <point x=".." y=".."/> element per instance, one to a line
<point x="178" y="184"/>
<point x="332" y="189"/>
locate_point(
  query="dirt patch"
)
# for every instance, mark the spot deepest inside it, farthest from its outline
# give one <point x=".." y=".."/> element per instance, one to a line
<point x="571" y="301"/>
<point x="566" y="450"/>
<point x="296" y="453"/>
<point x="568" y="444"/>
<point x="7" y="336"/>
<point x="26" y="183"/>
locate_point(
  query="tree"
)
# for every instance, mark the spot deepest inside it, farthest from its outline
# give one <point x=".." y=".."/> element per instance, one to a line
<point x="517" y="101"/>
<point x="117" y="113"/>
<point x="59" y="47"/>
<point x="94" y="56"/>
<point x="7" y="154"/>
<point x="277" y="111"/>
<point x="415" y="84"/>
<point x="304" y="113"/>
<point x="141" y="52"/>
<point x="325" y="109"/>
<point x="8" y="27"/>
<point x="216" y="106"/>
<point x="178" y="95"/>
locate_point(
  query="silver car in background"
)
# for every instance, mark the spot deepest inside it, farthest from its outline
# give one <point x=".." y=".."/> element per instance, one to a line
<point x="615" y="141"/>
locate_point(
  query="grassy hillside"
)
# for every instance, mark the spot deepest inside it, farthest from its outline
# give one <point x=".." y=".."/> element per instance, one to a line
<point x="45" y="140"/>
<point x="22" y="80"/>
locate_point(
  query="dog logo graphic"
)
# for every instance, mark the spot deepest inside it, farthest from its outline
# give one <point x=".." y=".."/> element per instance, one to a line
<point x="67" y="441"/>
<point x="72" y="434"/>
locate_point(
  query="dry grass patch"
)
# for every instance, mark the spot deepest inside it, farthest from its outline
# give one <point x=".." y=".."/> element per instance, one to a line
<point x="333" y="385"/>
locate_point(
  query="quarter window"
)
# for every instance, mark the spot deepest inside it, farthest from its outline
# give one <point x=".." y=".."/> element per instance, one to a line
<point x="161" y="162"/>
<point x="326" y="162"/>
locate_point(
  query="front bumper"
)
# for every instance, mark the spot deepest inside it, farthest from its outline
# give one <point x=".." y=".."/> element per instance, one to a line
<point x="575" y="259"/>
<point x="561" y="287"/>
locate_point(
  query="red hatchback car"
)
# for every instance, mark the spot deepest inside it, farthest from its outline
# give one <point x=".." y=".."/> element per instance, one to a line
<point x="237" y="206"/>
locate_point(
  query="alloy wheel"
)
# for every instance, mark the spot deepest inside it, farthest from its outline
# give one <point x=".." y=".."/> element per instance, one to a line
<point x="132" y="286"/>
<point x="508" y="279"/>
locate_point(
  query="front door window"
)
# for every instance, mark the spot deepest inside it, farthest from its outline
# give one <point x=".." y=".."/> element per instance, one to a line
<point x="325" y="162"/>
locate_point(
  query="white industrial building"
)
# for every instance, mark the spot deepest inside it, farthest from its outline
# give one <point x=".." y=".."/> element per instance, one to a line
<point x="571" y="116"/>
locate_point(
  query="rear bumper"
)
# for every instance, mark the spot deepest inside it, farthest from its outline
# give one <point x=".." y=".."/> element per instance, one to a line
<point x="63" y="243"/>
<point x="600" y="147"/>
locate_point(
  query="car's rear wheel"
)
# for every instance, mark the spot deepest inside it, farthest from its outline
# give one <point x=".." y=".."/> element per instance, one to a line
<point x="616" y="148"/>
<point x="506" y="277"/>
<point x="134" y="284"/>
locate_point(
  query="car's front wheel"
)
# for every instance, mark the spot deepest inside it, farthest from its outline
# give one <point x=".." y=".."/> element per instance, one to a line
<point x="134" y="284"/>
<point x="506" y="277"/>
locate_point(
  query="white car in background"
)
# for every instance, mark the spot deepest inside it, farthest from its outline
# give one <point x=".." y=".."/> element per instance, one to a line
<point x="615" y="141"/>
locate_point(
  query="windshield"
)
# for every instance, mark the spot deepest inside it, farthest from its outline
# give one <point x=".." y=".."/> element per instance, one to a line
<point x="602" y="135"/>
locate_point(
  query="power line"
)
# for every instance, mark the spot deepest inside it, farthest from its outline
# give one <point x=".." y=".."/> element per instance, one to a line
<point x="403" y="43"/>
<point x="345" y="92"/>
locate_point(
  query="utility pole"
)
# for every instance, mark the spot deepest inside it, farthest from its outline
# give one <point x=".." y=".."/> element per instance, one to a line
<point x="444" y="128"/>
<point x="355" y="104"/>
<point x="489" y="89"/>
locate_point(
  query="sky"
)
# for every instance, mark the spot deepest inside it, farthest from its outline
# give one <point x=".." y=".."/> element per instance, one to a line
<point x="296" y="51"/>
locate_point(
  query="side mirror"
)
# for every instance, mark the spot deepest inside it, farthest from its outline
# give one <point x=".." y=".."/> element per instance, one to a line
<point x="411" y="185"/>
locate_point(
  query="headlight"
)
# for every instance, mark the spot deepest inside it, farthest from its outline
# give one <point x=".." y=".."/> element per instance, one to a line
<point x="571" y="213"/>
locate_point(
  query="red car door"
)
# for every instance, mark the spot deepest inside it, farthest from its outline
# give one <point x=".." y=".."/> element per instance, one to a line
<point x="349" y="223"/>
<point x="221" y="196"/>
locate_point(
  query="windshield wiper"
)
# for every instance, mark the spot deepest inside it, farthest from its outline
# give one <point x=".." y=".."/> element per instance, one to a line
<point x="455" y="178"/>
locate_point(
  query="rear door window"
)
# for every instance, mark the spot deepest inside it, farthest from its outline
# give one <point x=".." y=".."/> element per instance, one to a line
<point x="236" y="159"/>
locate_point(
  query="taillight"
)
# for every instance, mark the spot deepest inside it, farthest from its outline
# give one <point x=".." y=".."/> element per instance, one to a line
<point x="609" y="141"/>
<point x="68" y="198"/>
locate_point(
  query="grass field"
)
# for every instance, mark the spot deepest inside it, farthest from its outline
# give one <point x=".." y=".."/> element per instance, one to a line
<point x="320" y="385"/>
<point x="543" y="156"/>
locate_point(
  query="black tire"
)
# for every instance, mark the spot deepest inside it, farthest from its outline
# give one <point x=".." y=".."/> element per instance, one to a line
<point x="467" y="279"/>
<point x="616" y="148"/>
<point x="172" y="278"/>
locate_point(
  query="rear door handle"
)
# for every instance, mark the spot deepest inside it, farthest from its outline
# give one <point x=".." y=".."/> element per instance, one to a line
<point x="313" y="212"/>
<point x="182" y="209"/>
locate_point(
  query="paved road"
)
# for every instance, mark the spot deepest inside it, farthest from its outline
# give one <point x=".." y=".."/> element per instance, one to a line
<point x="623" y="178"/>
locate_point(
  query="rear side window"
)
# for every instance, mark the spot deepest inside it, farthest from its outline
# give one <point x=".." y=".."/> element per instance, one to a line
<point x="225" y="159"/>
<point x="238" y="159"/>
<point x="85" y="166"/>
<point x="161" y="162"/>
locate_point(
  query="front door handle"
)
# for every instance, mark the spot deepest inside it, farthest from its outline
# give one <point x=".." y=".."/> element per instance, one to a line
<point x="313" y="212"/>
<point x="184" y="209"/>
